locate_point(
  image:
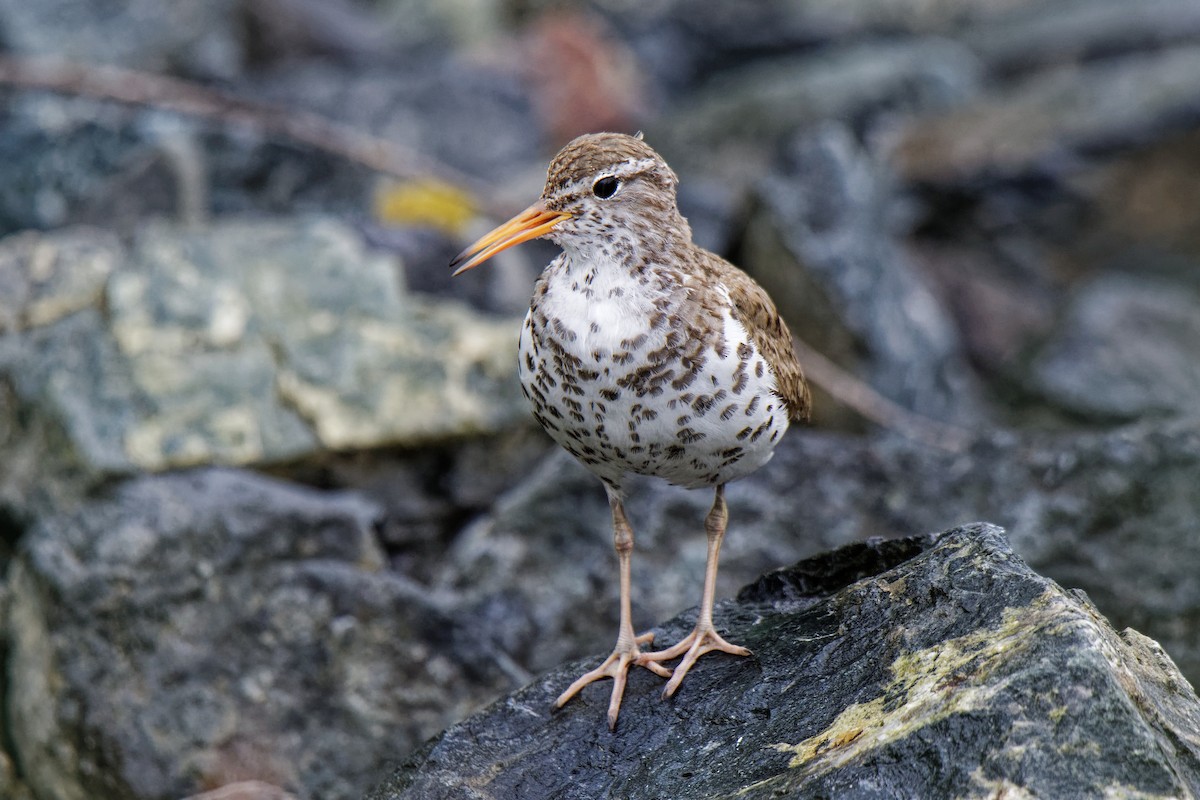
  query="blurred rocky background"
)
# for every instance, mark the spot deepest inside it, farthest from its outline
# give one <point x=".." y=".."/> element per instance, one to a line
<point x="272" y="510"/>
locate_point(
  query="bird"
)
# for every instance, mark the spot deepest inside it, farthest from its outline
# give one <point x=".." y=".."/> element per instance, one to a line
<point x="643" y="353"/>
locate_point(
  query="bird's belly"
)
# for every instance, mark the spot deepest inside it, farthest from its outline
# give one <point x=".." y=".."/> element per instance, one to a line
<point x="694" y="422"/>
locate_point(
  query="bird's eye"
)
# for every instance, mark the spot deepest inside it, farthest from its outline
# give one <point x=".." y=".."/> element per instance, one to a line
<point x="606" y="187"/>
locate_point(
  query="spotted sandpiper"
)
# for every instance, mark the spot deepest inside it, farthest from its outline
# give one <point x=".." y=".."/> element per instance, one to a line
<point x="644" y="353"/>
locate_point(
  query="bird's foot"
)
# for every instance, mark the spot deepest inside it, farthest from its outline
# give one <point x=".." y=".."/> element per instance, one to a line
<point x="616" y="666"/>
<point x="703" y="639"/>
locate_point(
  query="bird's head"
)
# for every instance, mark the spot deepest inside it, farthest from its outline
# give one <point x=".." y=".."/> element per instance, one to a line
<point x="601" y="187"/>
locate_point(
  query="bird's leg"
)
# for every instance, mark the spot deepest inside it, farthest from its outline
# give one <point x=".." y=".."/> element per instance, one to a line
<point x="704" y="637"/>
<point x="626" y="653"/>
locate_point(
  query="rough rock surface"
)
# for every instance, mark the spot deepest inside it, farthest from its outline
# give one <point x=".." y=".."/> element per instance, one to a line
<point x="1126" y="349"/>
<point x="238" y="343"/>
<point x="208" y="627"/>
<point x="930" y="667"/>
<point x="1113" y="513"/>
<point x="742" y="110"/>
<point x="818" y="242"/>
<point x="200" y="39"/>
<point x="1081" y="110"/>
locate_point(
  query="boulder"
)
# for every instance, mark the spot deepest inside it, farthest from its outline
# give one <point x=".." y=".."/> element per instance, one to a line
<point x="741" y="113"/>
<point x="933" y="666"/>
<point x="1051" y="122"/>
<point x="823" y="241"/>
<point x="1127" y="348"/>
<point x="240" y="343"/>
<point x="204" y="39"/>
<point x="199" y="629"/>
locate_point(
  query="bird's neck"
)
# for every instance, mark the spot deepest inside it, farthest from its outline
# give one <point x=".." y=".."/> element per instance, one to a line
<point x="630" y="250"/>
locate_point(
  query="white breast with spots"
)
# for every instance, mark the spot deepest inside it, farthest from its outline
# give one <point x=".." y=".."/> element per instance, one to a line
<point x="578" y="371"/>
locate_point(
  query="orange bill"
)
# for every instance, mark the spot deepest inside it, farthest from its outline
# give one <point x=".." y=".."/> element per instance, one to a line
<point x="531" y="223"/>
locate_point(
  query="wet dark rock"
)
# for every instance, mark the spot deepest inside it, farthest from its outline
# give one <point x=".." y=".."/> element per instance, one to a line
<point x="1129" y="347"/>
<point x="199" y="628"/>
<point x="943" y="667"/>
<point x="1112" y="513"/>
<point x="823" y="241"/>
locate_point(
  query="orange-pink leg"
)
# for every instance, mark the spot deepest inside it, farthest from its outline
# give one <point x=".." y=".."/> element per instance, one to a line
<point x="626" y="653"/>
<point x="704" y="637"/>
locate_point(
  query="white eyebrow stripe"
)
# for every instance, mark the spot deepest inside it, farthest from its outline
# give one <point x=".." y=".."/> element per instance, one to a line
<point x="620" y="171"/>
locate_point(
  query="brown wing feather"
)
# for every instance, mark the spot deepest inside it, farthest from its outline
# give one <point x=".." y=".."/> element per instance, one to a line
<point x="755" y="310"/>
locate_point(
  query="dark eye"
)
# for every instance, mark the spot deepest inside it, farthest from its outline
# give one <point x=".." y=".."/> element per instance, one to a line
<point x="606" y="187"/>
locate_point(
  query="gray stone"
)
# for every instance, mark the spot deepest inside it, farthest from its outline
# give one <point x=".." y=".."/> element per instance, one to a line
<point x="1127" y="348"/>
<point x="928" y="667"/>
<point x="1051" y="120"/>
<point x="196" y="629"/>
<point x="237" y="343"/>
<point x="1112" y="513"/>
<point x="681" y="42"/>
<point x="1034" y="35"/>
<point x="44" y="279"/>
<point x="412" y="108"/>
<point x="765" y="102"/>
<point x="196" y="38"/>
<point x="823" y="242"/>
<point x="81" y="161"/>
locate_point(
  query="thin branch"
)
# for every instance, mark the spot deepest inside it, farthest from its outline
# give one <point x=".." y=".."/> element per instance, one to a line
<point x="859" y="396"/>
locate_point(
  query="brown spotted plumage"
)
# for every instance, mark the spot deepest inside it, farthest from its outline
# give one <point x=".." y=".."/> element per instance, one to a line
<point x="643" y="353"/>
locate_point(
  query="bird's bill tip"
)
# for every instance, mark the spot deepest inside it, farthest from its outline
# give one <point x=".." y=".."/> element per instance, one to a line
<point x="532" y="223"/>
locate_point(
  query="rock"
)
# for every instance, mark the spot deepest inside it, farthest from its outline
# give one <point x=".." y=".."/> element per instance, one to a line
<point x="412" y="108"/>
<point x="204" y="628"/>
<point x="685" y="41"/>
<point x="1053" y="121"/>
<point x="78" y="160"/>
<point x="1112" y="513"/>
<point x="1035" y="35"/>
<point x="936" y="666"/>
<point x="202" y="39"/>
<point x="73" y="161"/>
<point x="10" y="785"/>
<point x="1142" y="205"/>
<point x="237" y="343"/>
<point x="1127" y="348"/>
<point x="43" y="281"/>
<point x="820" y="242"/>
<point x="766" y="102"/>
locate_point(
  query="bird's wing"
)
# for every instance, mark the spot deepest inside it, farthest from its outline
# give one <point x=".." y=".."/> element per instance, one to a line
<point x="754" y="309"/>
